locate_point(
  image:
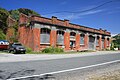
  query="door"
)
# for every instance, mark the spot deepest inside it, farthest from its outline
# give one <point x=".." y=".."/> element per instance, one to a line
<point x="72" y="45"/>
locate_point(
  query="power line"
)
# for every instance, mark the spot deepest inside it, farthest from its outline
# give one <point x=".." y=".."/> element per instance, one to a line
<point x="84" y="10"/>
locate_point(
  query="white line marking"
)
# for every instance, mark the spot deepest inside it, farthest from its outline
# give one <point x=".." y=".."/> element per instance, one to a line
<point x="65" y="70"/>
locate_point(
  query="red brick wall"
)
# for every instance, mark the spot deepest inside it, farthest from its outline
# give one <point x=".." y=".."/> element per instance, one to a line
<point x="105" y="43"/>
<point x="53" y="38"/>
<point x="82" y="47"/>
<point x="67" y="40"/>
<point x="36" y="39"/>
<point x="86" y="40"/>
<point x="100" y="42"/>
<point x="77" y="41"/>
<point x="30" y="37"/>
<point x="27" y="35"/>
<point x="56" y="21"/>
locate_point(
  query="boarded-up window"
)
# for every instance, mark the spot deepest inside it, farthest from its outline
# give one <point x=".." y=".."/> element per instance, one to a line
<point x="82" y="36"/>
<point x="45" y="35"/>
<point x="91" y="42"/>
<point x="60" y="37"/>
<point x="97" y="42"/>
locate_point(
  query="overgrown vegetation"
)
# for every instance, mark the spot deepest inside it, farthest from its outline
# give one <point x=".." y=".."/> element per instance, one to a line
<point x="28" y="50"/>
<point x="3" y="19"/>
<point x="4" y="14"/>
<point x="2" y="35"/>
<point x="115" y="42"/>
<point x="52" y="50"/>
<point x="15" y="13"/>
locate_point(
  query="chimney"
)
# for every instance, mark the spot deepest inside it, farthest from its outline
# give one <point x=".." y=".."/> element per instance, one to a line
<point x="54" y="20"/>
<point x="66" y="22"/>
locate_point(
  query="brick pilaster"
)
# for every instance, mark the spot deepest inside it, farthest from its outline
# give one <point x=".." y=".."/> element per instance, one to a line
<point x="86" y="40"/>
<point x="36" y="39"/>
<point x="105" y="43"/>
<point x="77" y="41"/>
<point x="100" y="42"/>
<point x="67" y="40"/>
<point x="53" y="38"/>
<point x="109" y="41"/>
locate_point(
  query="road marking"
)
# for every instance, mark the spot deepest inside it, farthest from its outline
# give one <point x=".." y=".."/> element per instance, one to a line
<point x="68" y="70"/>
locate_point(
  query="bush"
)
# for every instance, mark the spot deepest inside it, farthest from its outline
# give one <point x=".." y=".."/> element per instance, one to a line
<point x="59" y="50"/>
<point x="28" y="50"/>
<point x="52" y="50"/>
<point x="2" y="35"/>
<point x="111" y="48"/>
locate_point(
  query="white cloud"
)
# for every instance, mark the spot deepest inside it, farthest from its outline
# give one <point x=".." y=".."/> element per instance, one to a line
<point x="72" y="16"/>
<point x="113" y="34"/>
<point x="91" y="12"/>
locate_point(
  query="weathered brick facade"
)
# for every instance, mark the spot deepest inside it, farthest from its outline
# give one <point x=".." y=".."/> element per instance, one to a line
<point x="30" y="34"/>
<point x="10" y="30"/>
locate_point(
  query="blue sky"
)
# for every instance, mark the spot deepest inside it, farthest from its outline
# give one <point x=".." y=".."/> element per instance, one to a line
<point x="105" y="17"/>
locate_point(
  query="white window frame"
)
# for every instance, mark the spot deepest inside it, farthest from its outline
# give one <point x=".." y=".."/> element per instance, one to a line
<point x="45" y="31"/>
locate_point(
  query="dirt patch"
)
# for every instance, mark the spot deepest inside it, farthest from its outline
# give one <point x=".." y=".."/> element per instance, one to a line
<point x="112" y="75"/>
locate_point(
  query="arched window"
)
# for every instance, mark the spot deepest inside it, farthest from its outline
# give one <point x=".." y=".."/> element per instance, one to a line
<point x="72" y="34"/>
<point x="45" y="35"/>
<point x="82" y="38"/>
<point x="60" y="37"/>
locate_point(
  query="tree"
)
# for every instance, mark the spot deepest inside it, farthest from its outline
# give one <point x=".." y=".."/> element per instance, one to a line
<point x="12" y="30"/>
<point x="14" y="14"/>
<point x="28" y="11"/>
<point x="116" y="41"/>
<point x="3" y="19"/>
<point x="2" y="35"/>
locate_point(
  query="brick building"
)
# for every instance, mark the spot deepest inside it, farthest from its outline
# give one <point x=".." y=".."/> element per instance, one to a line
<point x="39" y="32"/>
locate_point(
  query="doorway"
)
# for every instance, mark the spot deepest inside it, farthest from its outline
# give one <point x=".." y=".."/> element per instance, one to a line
<point x="72" y="45"/>
<point x="91" y="43"/>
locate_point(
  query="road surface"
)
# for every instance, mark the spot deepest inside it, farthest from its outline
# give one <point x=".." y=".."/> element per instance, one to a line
<point x="10" y="70"/>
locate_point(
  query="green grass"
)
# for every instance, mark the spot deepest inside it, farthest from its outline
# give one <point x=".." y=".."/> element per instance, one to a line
<point x="53" y="50"/>
<point x="3" y="51"/>
<point x="70" y="52"/>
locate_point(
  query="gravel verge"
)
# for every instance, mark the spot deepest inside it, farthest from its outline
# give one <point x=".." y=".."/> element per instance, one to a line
<point x="106" y="72"/>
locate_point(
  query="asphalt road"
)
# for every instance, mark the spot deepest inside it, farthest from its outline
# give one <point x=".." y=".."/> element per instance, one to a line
<point x="19" y="69"/>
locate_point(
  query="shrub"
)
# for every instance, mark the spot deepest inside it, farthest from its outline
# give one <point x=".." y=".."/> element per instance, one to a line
<point x="28" y="50"/>
<point x="2" y="35"/>
<point x="111" y="48"/>
<point x="59" y="50"/>
<point x="107" y="49"/>
<point x="52" y="50"/>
